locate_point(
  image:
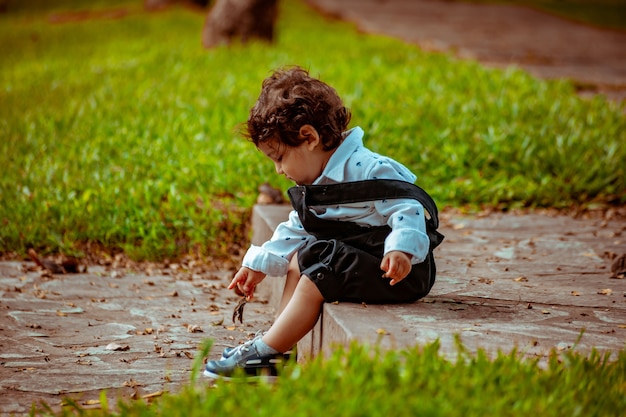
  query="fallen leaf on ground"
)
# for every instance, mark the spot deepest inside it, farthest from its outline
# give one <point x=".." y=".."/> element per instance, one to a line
<point x="152" y="395"/>
<point x="116" y="347"/>
<point x="605" y="291"/>
<point x="575" y="293"/>
<point x="132" y="383"/>
<point x="521" y="279"/>
<point x="194" y="328"/>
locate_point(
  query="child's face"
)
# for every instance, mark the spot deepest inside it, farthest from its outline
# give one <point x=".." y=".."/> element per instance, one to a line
<point x="302" y="164"/>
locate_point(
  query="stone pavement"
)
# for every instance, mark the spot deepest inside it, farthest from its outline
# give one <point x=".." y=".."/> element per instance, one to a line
<point x="499" y="35"/>
<point x="529" y="281"/>
<point x="533" y="282"/>
<point x="131" y="332"/>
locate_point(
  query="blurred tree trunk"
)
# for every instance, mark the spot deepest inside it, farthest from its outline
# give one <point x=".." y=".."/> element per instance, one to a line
<point x="152" y="5"/>
<point x="239" y="19"/>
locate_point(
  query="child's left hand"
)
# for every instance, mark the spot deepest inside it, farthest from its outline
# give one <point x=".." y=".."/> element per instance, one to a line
<point x="396" y="266"/>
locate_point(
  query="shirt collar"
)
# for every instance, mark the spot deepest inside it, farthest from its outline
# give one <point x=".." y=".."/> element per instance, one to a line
<point x="335" y="168"/>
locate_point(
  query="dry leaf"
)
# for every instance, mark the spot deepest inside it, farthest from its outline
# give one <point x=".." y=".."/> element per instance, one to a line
<point x="194" y="328"/>
<point x="91" y="402"/>
<point x="381" y="331"/>
<point x="116" y="347"/>
<point x="469" y="329"/>
<point x="575" y="293"/>
<point x="545" y="311"/>
<point x="152" y="395"/>
<point x="521" y="279"/>
<point x="605" y="291"/>
<point x="132" y="383"/>
<point x="61" y="313"/>
<point x="189" y="355"/>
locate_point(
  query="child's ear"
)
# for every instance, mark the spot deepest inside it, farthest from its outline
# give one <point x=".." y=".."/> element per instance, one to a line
<point x="309" y="134"/>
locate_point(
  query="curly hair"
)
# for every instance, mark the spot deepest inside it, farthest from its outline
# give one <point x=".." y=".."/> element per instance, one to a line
<point x="290" y="99"/>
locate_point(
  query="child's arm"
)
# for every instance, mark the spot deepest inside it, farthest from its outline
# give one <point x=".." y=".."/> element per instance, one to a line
<point x="273" y="256"/>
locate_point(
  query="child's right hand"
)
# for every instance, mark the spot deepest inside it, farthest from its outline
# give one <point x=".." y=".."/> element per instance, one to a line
<point x="245" y="281"/>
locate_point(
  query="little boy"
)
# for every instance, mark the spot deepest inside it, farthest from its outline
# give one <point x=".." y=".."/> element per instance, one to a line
<point x="355" y="213"/>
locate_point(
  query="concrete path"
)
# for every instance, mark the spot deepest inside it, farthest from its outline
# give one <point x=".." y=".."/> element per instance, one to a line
<point x="539" y="283"/>
<point x="130" y="332"/>
<point x="498" y="35"/>
<point x="531" y="281"/>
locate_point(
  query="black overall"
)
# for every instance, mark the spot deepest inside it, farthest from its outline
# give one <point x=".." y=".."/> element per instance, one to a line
<point x="344" y="263"/>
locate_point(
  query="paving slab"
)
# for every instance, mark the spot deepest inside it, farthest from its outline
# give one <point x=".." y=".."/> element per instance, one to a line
<point x="537" y="283"/>
<point x="129" y="332"/>
<point x="499" y="35"/>
<point x="534" y="282"/>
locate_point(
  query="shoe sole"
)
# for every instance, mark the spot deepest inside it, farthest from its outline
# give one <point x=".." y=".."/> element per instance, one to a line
<point x="286" y="356"/>
<point x="251" y="378"/>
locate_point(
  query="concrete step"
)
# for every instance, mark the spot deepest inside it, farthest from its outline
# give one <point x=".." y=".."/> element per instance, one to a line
<point x="532" y="282"/>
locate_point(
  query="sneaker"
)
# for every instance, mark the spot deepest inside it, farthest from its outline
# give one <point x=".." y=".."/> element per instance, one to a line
<point x="245" y="357"/>
<point x="229" y="351"/>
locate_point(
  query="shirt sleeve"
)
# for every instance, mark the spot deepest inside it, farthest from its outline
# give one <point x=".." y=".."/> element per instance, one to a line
<point x="408" y="227"/>
<point x="272" y="258"/>
<point x="404" y="216"/>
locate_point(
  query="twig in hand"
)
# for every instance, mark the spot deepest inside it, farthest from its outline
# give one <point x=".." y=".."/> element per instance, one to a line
<point x="238" y="313"/>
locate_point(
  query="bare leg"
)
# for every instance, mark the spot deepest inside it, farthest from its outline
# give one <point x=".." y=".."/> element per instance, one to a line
<point x="298" y="317"/>
<point x="293" y="276"/>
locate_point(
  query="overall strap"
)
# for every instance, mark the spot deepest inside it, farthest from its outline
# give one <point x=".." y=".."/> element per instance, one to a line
<point x="367" y="190"/>
<point x="304" y="196"/>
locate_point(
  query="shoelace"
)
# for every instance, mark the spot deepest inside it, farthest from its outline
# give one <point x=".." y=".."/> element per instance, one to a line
<point x="247" y="345"/>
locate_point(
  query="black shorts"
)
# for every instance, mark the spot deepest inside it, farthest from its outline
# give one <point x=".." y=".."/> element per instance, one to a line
<point x="349" y="270"/>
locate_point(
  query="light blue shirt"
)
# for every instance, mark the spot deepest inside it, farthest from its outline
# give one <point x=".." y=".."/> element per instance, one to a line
<point x="351" y="161"/>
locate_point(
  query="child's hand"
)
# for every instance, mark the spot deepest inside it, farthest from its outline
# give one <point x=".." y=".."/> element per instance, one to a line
<point x="246" y="280"/>
<point x="396" y="266"/>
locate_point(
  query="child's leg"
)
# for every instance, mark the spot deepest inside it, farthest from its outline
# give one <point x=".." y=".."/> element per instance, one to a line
<point x="298" y="317"/>
<point x="293" y="276"/>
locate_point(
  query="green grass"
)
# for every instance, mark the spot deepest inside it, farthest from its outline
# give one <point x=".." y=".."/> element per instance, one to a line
<point x="123" y="133"/>
<point x="362" y="381"/>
